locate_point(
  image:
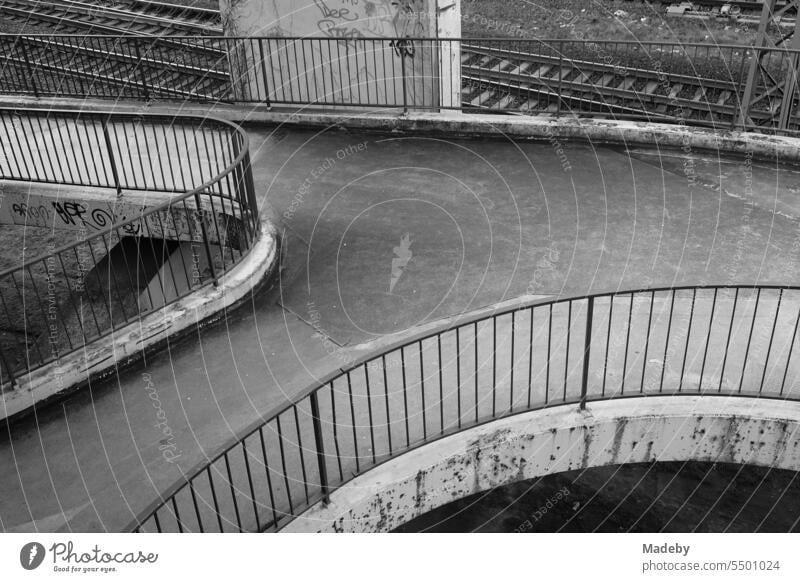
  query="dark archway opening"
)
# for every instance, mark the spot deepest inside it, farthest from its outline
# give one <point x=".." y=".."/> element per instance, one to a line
<point x="653" y="497"/>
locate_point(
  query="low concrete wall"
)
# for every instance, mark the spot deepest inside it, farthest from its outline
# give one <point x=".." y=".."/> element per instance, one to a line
<point x="454" y="124"/>
<point x="130" y="342"/>
<point x="530" y="445"/>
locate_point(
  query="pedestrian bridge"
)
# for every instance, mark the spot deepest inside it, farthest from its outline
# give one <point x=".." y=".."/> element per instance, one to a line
<point x="692" y="373"/>
<point x="660" y="373"/>
<point x="141" y="210"/>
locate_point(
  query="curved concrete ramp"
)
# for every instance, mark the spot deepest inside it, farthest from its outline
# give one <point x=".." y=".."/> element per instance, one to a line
<point x="530" y="445"/>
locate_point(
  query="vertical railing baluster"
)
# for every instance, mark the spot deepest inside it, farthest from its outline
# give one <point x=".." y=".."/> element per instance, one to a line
<point x="323" y="471"/>
<point x="111" y="158"/>
<point x="587" y="350"/>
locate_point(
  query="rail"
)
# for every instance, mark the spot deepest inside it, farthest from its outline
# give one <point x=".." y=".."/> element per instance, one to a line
<point x="711" y="341"/>
<point x="197" y="171"/>
<point x="691" y="84"/>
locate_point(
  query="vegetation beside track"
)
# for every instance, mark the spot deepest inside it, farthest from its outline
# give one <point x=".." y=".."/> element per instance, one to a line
<point x="595" y="20"/>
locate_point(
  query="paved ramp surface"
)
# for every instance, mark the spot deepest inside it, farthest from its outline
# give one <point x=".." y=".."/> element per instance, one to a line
<point x="383" y="233"/>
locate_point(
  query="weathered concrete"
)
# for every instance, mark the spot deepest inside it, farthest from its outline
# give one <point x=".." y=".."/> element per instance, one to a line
<point x="526" y="446"/>
<point x="89" y="210"/>
<point x="453" y="124"/>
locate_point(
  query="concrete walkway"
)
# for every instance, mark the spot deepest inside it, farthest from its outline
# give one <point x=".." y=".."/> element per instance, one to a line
<point x="382" y="233"/>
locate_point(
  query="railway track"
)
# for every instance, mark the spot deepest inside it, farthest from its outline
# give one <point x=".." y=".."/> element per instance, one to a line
<point x="133" y="18"/>
<point x="493" y="79"/>
<point x="500" y="80"/>
<point x="174" y="68"/>
<point x="110" y="67"/>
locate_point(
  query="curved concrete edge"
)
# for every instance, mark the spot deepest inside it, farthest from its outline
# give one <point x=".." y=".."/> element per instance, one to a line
<point x="530" y="445"/>
<point x="129" y="343"/>
<point x="453" y="123"/>
<point x="601" y="131"/>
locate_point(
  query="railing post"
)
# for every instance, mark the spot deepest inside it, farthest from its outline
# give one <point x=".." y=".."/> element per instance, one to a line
<point x="200" y="215"/>
<point x="29" y="69"/>
<point x="323" y="472"/>
<point x="587" y="349"/>
<point x="560" y="76"/>
<point x="111" y="158"/>
<point x="4" y="362"/>
<point x="264" y="72"/>
<point x="403" y="74"/>
<point x="141" y="70"/>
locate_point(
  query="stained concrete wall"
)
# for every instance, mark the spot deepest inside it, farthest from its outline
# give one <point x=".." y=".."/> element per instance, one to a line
<point x="526" y="446"/>
<point x="352" y="69"/>
<point x="88" y="210"/>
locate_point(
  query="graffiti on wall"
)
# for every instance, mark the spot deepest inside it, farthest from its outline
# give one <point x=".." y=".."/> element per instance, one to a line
<point x="348" y="20"/>
<point x="93" y="215"/>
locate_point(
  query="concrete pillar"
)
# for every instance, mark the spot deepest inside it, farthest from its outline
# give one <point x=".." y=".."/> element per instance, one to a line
<point x="449" y="26"/>
<point x="354" y="69"/>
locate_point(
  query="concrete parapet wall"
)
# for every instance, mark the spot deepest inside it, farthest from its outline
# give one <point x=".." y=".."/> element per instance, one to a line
<point x="88" y="210"/>
<point x="475" y="125"/>
<point x="637" y="430"/>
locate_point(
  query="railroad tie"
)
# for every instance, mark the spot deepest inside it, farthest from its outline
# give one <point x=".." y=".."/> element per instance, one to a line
<point x="627" y="83"/>
<point x="699" y="95"/>
<point x="582" y="77"/>
<point x="723" y="97"/>
<point x="605" y="80"/>
<point x="521" y="69"/>
<point x="503" y="103"/>
<point x="565" y="72"/>
<point x="482" y="98"/>
<point x="543" y="70"/>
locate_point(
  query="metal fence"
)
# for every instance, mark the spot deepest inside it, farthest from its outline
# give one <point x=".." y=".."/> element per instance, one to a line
<point x="711" y="341"/>
<point x="695" y="84"/>
<point x="109" y="263"/>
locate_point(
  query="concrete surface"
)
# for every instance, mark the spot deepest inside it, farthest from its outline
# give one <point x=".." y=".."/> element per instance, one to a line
<point x="483" y="221"/>
<point x="533" y="444"/>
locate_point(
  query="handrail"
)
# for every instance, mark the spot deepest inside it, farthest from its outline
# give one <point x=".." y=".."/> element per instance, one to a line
<point x="506" y="39"/>
<point x="305" y="449"/>
<point x="646" y="80"/>
<point x="203" y="163"/>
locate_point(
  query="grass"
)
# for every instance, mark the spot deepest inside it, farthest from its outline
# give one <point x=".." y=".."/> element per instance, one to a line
<point x="563" y="19"/>
<point x="595" y="20"/>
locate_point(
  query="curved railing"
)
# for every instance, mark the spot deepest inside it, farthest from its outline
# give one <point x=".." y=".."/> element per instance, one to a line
<point x="715" y="341"/>
<point x="199" y="190"/>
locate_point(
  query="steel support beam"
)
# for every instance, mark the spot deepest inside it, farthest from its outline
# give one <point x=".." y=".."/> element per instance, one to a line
<point x="767" y="82"/>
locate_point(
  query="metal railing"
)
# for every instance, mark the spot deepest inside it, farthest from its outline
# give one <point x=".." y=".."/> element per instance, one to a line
<point x="695" y="84"/>
<point x="710" y="341"/>
<point x="111" y="262"/>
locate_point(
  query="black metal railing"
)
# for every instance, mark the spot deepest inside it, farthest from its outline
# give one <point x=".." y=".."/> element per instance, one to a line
<point x="710" y="341"/>
<point x="113" y="256"/>
<point x="695" y="84"/>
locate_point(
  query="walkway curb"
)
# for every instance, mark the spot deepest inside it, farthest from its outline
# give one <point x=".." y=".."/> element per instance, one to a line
<point x="451" y="124"/>
<point x="130" y="343"/>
